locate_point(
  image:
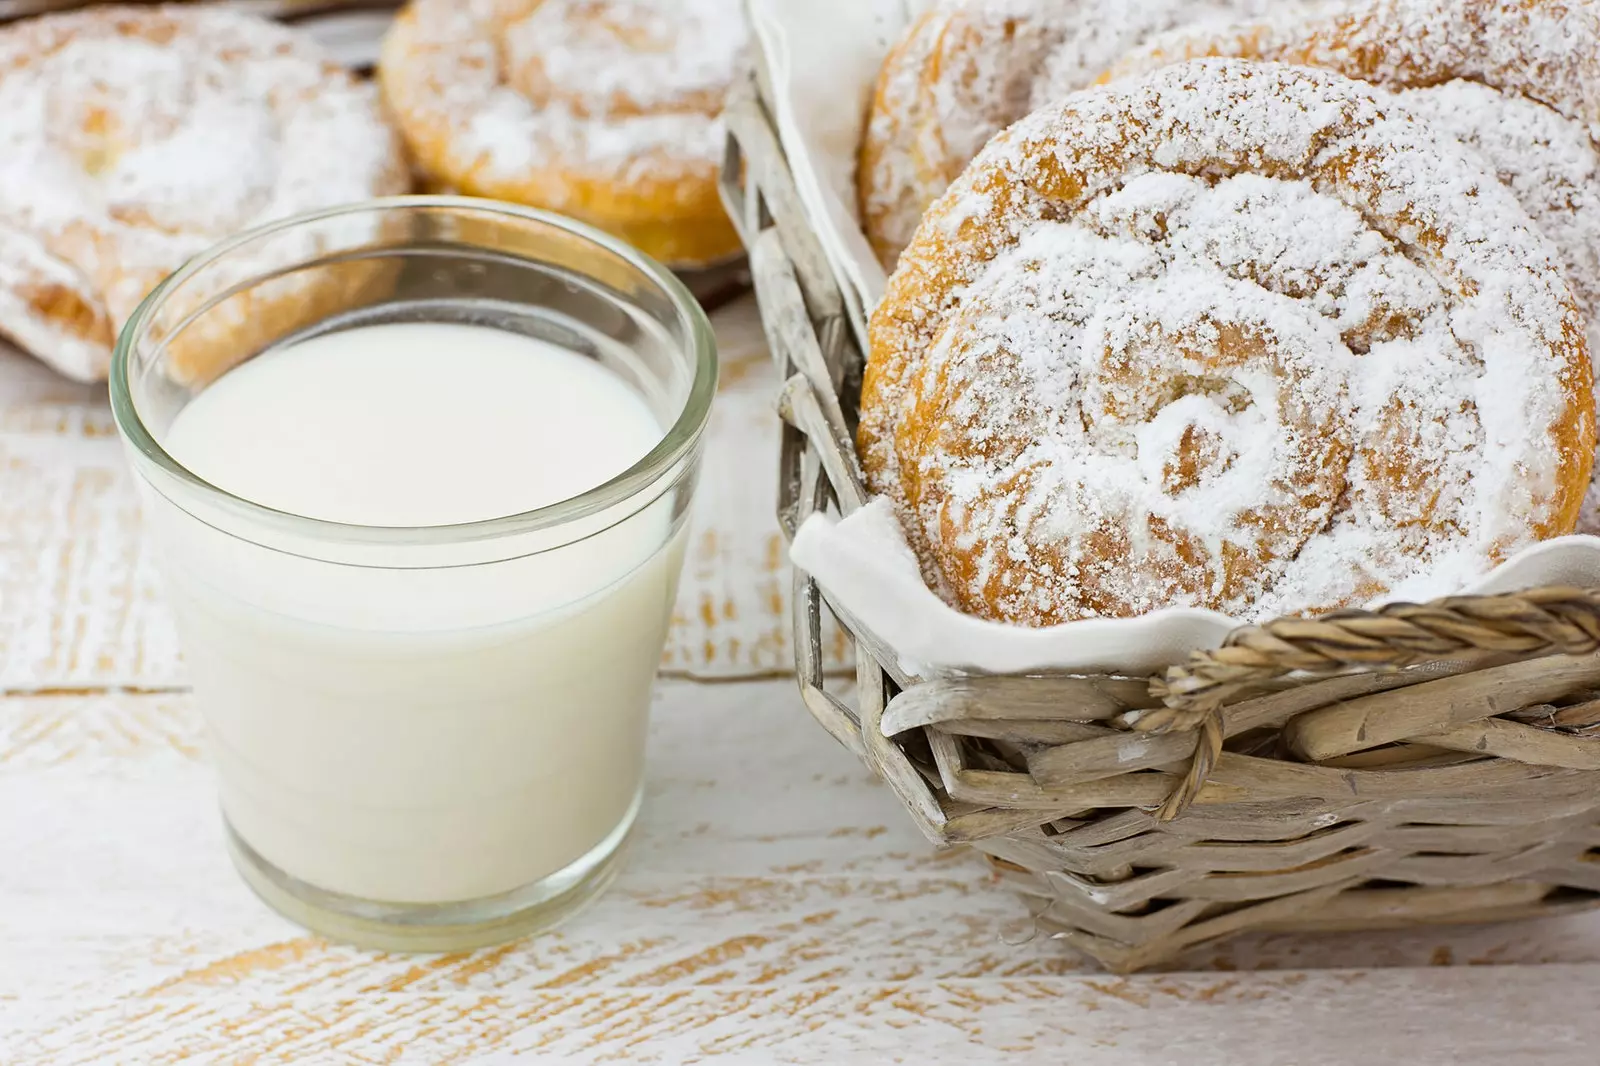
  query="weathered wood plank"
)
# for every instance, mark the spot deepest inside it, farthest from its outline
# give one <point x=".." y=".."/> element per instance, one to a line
<point x="767" y="900"/>
<point x="1442" y="1017"/>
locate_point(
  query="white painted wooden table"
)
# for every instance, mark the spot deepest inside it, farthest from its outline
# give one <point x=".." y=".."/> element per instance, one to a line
<point x="777" y="907"/>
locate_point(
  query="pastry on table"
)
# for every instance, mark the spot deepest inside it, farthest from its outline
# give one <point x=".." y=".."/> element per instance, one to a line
<point x="968" y="68"/>
<point x="1517" y="80"/>
<point x="604" y="110"/>
<point x="132" y="138"/>
<point x="1233" y="335"/>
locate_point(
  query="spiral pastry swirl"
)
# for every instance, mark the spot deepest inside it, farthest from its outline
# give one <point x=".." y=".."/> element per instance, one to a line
<point x="1517" y="81"/>
<point x="1231" y="336"/>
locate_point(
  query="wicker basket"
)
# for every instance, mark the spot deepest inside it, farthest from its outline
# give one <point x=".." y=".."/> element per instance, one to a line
<point x="1420" y="764"/>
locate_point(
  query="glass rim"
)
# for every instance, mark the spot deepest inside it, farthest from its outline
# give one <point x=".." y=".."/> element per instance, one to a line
<point x="675" y="446"/>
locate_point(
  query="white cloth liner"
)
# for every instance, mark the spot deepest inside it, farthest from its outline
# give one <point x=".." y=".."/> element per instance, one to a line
<point x="866" y="567"/>
<point x="822" y="58"/>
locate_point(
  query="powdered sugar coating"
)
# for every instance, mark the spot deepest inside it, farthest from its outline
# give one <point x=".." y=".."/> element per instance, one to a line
<point x="1239" y="336"/>
<point x="1518" y="81"/>
<point x="133" y="138"/>
<point x="597" y="108"/>
<point x="969" y="68"/>
<point x="1548" y="161"/>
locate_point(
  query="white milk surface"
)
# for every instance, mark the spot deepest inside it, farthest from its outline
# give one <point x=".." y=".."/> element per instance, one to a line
<point x="414" y="424"/>
<point x="406" y="733"/>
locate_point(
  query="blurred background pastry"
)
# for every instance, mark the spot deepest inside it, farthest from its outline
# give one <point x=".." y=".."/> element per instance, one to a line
<point x="132" y="138"/>
<point x="604" y="110"/>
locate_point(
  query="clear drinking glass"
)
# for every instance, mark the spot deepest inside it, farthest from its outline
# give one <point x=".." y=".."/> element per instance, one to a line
<point x="425" y="738"/>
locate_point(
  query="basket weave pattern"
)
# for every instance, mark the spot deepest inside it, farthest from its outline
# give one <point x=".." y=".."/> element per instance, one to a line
<point x="1419" y="764"/>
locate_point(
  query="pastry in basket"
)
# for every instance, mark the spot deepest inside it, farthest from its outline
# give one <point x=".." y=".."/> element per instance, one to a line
<point x="1517" y="80"/>
<point x="132" y="138"/>
<point x="1235" y="335"/>
<point x="606" y="110"/>
<point x="968" y="68"/>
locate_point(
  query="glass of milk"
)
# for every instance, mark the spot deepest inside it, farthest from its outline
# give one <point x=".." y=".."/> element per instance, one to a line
<point x="417" y="473"/>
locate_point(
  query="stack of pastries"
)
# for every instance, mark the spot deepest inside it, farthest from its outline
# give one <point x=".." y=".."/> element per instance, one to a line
<point x="1284" y="314"/>
<point x="134" y="136"/>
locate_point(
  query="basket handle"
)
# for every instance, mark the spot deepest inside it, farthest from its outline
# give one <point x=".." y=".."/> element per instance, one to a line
<point x="1557" y="619"/>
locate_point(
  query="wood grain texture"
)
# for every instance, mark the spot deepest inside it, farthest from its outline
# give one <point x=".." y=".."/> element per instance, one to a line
<point x="1414" y="1017"/>
<point x="772" y="910"/>
<point x="80" y="602"/>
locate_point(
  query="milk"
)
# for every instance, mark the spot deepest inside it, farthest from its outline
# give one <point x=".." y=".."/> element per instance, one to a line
<point x="414" y="424"/>
<point x="427" y="722"/>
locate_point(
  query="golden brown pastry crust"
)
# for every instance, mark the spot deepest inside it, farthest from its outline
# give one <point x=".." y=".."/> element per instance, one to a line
<point x="1069" y="394"/>
<point x="965" y="70"/>
<point x="955" y="78"/>
<point x="537" y="102"/>
<point x="1540" y="48"/>
<point x="135" y="137"/>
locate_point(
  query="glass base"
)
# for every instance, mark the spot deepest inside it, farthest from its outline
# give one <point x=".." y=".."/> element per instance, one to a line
<point x="431" y="927"/>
